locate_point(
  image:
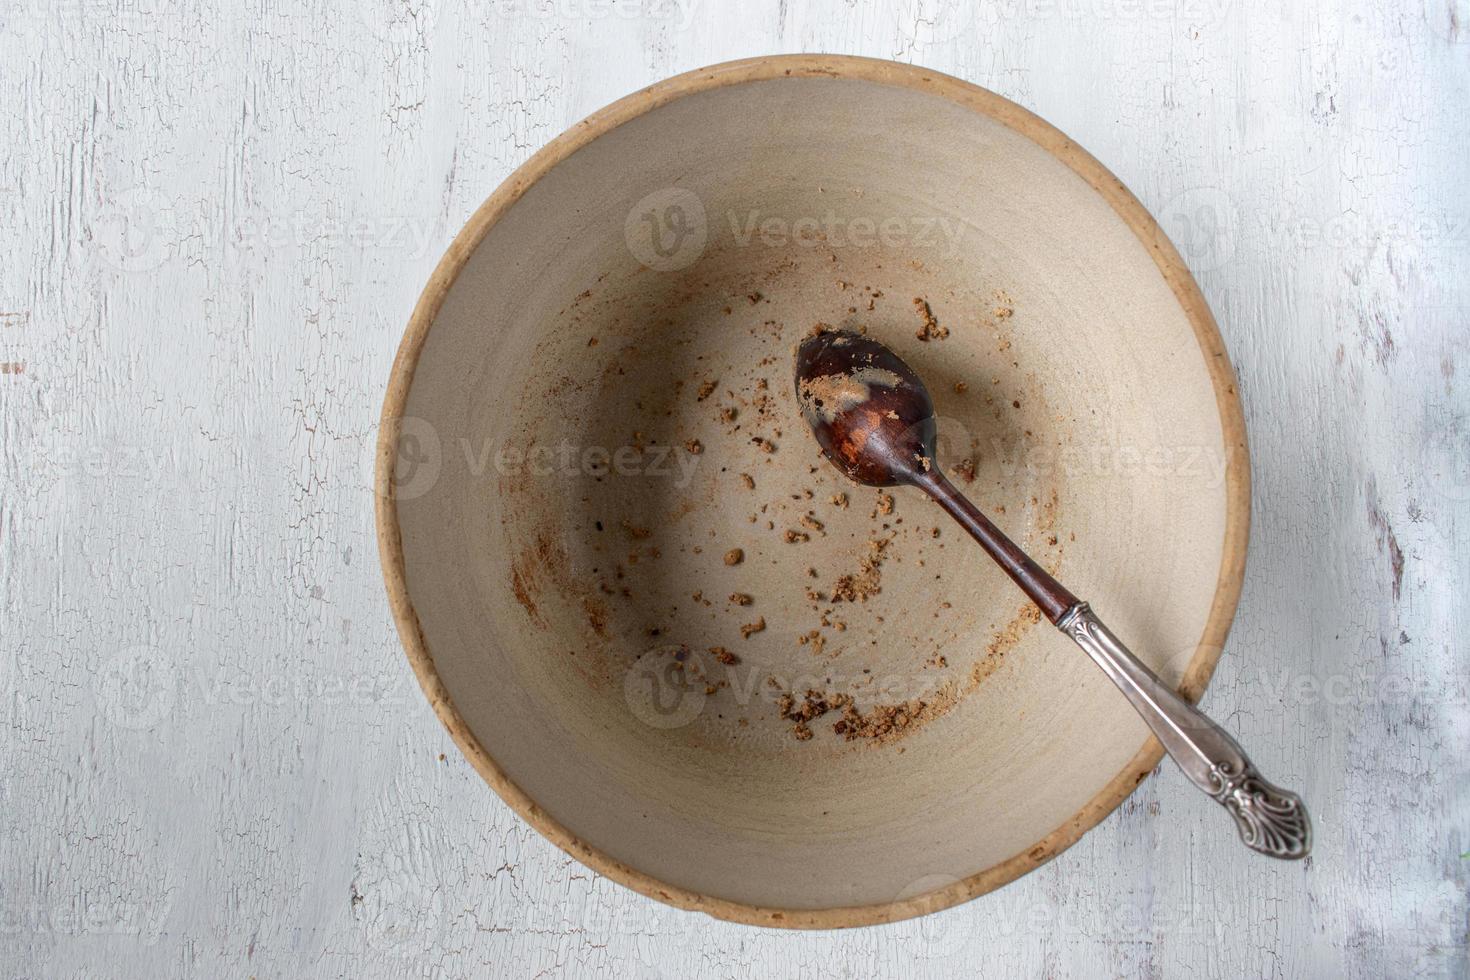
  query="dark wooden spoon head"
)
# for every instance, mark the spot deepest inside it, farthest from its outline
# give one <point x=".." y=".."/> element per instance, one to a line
<point x="871" y="414"/>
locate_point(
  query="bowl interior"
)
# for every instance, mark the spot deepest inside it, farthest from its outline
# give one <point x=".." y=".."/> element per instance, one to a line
<point x="861" y="708"/>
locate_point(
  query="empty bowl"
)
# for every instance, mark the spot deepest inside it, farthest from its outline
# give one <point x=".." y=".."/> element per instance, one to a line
<point x="676" y="641"/>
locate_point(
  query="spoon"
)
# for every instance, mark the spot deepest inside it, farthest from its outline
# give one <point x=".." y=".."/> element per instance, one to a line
<point x="874" y="420"/>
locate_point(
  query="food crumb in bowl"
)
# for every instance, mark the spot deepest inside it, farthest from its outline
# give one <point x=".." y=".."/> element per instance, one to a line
<point x="748" y="481"/>
<point x="694" y="447"/>
<point x="706" y="389"/>
<point x="750" y="629"/>
<point x="929" y="325"/>
<point x="734" y="556"/>
<point x="867" y="581"/>
<point x="741" y="599"/>
<point x="882" y="722"/>
<point x="1005" y="307"/>
<point x="813" y="639"/>
<point x="724" y="656"/>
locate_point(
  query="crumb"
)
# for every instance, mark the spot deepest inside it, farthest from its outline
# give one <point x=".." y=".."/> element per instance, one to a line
<point x="814" y="639"/>
<point x="724" y="656"/>
<point x="748" y="481"/>
<point x="814" y="705"/>
<point x="728" y="414"/>
<point x="960" y="387"/>
<point x="797" y="537"/>
<point x="694" y="446"/>
<point x="734" y="556"/>
<point x="809" y="521"/>
<point x="1005" y="307"/>
<point x="882" y="722"/>
<point x="929" y="326"/>
<point x="838" y="500"/>
<point x="766" y="445"/>
<point x="966" y="469"/>
<point x="740" y="599"/>
<point x="706" y="389"/>
<point x="749" y="629"/>
<point x="866" y="582"/>
<point x="885" y="503"/>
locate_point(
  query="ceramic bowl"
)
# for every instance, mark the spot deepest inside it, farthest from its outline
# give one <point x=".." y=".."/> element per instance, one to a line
<point x="664" y="630"/>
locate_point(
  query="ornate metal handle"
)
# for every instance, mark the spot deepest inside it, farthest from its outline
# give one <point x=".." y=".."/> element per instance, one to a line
<point x="1271" y="820"/>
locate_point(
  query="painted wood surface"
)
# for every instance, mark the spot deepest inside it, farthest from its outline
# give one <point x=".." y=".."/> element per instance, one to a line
<point x="216" y="218"/>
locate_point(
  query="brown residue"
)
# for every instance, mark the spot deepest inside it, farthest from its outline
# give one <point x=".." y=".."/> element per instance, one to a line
<point x="884" y="722"/>
<point x="867" y="581"/>
<point x="750" y="629"/>
<point x="829" y="395"/>
<point x="596" y="616"/>
<point x="522" y="593"/>
<point x="929" y="325"/>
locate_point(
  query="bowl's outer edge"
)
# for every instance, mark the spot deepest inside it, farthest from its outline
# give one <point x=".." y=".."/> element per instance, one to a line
<point x="1170" y="264"/>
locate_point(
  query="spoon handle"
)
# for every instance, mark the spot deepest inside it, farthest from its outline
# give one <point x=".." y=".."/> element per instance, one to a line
<point x="1271" y="820"/>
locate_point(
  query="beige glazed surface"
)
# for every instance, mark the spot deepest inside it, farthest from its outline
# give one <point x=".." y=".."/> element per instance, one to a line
<point x="592" y="407"/>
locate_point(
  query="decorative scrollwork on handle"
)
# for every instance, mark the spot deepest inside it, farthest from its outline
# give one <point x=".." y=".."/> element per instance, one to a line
<point x="1271" y="820"/>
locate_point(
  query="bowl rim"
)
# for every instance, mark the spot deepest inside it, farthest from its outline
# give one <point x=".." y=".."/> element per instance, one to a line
<point x="1171" y="265"/>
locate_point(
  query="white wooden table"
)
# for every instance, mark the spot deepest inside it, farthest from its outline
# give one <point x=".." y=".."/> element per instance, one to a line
<point x="216" y="218"/>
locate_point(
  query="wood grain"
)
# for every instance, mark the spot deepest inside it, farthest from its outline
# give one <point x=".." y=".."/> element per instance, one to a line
<point x="216" y="221"/>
